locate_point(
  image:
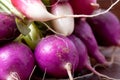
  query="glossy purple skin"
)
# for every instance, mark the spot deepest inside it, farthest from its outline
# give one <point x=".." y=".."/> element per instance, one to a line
<point x="82" y="6"/>
<point x="16" y="58"/>
<point x="53" y="53"/>
<point x="82" y="51"/>
<point x="8" y="28"/>
<point x="84" y="32"/>
<point x="106" y="29"/>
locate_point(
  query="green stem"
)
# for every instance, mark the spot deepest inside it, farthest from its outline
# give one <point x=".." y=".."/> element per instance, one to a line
<point x="19" y="38"/>
<point x="33" y="37"/>
<point x="11" y="8"/>
<point x="4" y="8"/>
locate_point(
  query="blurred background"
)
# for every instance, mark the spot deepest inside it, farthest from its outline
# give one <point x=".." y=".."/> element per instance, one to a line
<point x="106" y="3"/>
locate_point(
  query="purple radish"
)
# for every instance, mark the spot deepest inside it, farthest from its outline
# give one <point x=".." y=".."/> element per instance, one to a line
<point x="83" y="56"/>
<point x="81" y="48"/>
<point x="84" y="32"/>
<point x="57" y="55"/>
<point x="64" y="26"/>
<point x="83" y="6"/>
<point x="8" y="28"/>
<point x="16" y="61"/>
<point x="106" y="28"/>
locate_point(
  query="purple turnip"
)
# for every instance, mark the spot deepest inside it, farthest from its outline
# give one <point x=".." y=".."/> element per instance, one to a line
<point x="16" y="61"/>
<point x="57" y="55"/>
<point x="84" y="61"/>
<point x="84" y="32"/>
<point x="106" y="28"/>
<point x="8" y="28"/>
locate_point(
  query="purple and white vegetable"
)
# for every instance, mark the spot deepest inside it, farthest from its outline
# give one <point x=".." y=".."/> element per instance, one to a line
<point x="57" y="55"/>
<point x="84" y="32"/>
<point x="8" y="28"/>
<point x="84" y="61"/>
<point x="82" y="51"/>
<point x="16" y="61"/>
<point x="64" y="26"/>
<point x="33" y="9"/>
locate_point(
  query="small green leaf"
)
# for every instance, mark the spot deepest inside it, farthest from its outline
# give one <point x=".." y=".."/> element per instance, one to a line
<point x="23" y="26"/>
<point x="33" y="37"/>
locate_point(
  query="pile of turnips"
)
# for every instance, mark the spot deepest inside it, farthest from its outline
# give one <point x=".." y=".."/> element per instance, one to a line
<point x="58" y="39"/>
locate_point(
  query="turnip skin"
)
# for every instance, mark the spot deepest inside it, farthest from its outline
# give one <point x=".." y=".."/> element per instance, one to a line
<point x="53" y="53"/>
<point x="17" y="60"/>
<point x="8" y="28"/>
<point x="82" y="51"/>
<point x="83" y="6"/>
<point x="106" y="28"/>
<point x="84" y="32"/>
<point x="33" y="9"/>
<point x="64" y="26"/>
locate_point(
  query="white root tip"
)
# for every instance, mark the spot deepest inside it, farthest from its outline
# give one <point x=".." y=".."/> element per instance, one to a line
<point x="68" y="67"/>
<point x="13" y="76"/>
<point x="99" y="74"/>
<point x="95" y="5"/>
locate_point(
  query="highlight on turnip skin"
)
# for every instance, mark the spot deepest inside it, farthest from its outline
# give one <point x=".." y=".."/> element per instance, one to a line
<point x="64" y="26"/>
<point x="8" y="28"/>
<point x="84" y="32"/>
<point x="106" y="28"/>
<point x="57" y="55"/>
<point x="16" y="61"/>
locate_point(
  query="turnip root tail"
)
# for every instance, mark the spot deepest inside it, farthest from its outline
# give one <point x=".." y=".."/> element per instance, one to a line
<point x="68" y="67"/>
<point x="52" y="29"/>
<point x="109" y="63"/>
<point x="13" y="76"/>
<point x="32" y="72"/>
<point x="99" y="74"/>
<point x="95" y="5"/>
<point x="43" y="78"/>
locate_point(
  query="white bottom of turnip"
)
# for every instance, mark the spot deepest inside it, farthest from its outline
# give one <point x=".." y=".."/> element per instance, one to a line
<point x="68" y="67"/>
<point x="13" y="76"/>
